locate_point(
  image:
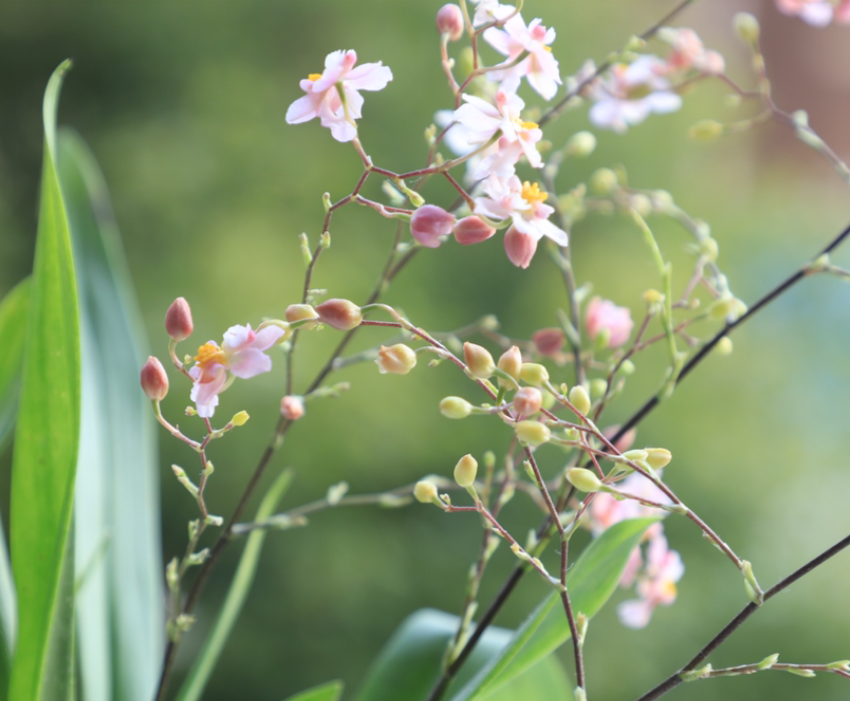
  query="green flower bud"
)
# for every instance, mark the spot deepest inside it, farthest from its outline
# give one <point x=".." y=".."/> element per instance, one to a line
<point x="583" y="479"/>
<point x="747" y="27"/>
<point x="532" y="432"/>
<point x="455" y="408"/>
<point x="534" y="374"/>
<point x="604" y="181"/>
<point x="465" y="471"/>
<point x="478" y="360"/>
<point x="658" y="457"/>
<point x="724" y="346"/>
<point x="426" y="492"/>
<point x="581" y="144"/>
<point x="598" y="387"/>
<point x="579" y="399"/>
<point x="706" y="130"/>
<point x="510" y="362"/>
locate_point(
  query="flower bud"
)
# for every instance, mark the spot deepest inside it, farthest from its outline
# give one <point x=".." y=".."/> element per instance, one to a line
<point x="478" y="360"/>
<point x="724" y="346"/>
<point x="240" y="418"/>
<point x="450" y="21"/>
<point x="528" y="400"/>
<point x="579" y="399"/>
<point x="534" y="374"/>
<point x="658" y="457"/>
<point x="154" y="380"/>
<point x="581" y="144"/>
<point x="598" y="387"/>
<point x="604" y="181"/>
<point x="746" y="26"/>
<point x="465" y="471"/>
<point x="430" y="223"/>
<point x="510" y="362"/>
<point x="520" y="247"/>
<point x="300" y="312"/>
<point x="705" y="130"/>
<point x="532" y="432"/>
<point x="548" y="341"/>
<point x="455" y="408"/>
<point x="472" y="229"/>
<point x="292" y="407"/>
<point x="583" y="479"/>
<point x="396" y="360"/>
<point x="178" y="320"/>
<point x="425" y="491"/>
<point x="340" y="313"/>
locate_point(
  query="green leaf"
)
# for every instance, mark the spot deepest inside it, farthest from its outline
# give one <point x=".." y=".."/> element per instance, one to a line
<point x="198" y="676"/>
<point x="591" y="582"/>
<point x="46" y="438"/>
<point x="13" y="327"/>
<point x="119" y="563"/>
<point x="544" y="681"/>
<point x="330" y="691"/>
<point x="409" y="664"/>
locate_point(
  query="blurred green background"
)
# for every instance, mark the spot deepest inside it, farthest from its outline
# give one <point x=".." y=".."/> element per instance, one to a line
<point x="183" y="105"/>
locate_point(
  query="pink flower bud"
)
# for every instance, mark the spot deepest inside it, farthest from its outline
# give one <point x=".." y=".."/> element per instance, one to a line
<point x="472" y="229"/>
<point x="178" y="320"/>
<point x="292" y="407"/>
<point x="520" y="247"/>
<point x="340" y="313"/>
<point x="603" y="315"/>
<point x="396" y="360"/>
<point x="450" y="21"/>
<point x="548" y="341"/>
<point x="154" y="380"/>
<point x="430" y="223"/>
<point x="478" y="361"/>
<point x="528" y="400"/>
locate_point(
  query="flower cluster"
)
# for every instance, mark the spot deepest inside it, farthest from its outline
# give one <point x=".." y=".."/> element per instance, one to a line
<point x="818" y="13"/>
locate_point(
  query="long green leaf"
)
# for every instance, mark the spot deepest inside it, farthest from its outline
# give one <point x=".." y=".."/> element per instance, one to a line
<point x="119" y="563"/>
<point x="544" y="681"/>
<point x="591" y="582"/>
<point x="330" y="691"/>
<point x="13" y="327"/>
<point x="46" y="439"/>
<point x="198" y="676"/>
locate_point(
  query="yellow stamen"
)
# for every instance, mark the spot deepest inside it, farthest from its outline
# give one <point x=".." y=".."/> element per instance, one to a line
<point x="530" y="125"/>
<point x="208" y="354"/>
<point x="531" y="193"/>
<point x="314" y="76"/>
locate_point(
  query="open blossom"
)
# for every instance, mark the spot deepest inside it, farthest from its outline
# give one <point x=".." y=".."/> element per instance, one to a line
<point x="483" y="120"/>
<point x="688" y="53"/>
<point x="655" y="585"/>
<point x="325" y="91"/>
<point x="490" y="11"/>
<point x="630" y="93"/>
<point x="522" y="203"/>
<point x="241" y="354"/>
<point x="603" y="316"/>
<point x="539" y="67"/>
<point x="818" y="13"/>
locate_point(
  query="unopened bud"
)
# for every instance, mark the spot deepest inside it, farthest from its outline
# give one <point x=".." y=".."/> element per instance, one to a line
<point x="425" y="491"/>
<point x="641" y="204"/>
<point x="510" y="362"/>
<point x="581" y="144"/>
<point x="396" y="360"/>
<point x="472" y="229"/>
<point x="292" y="407"/>
<point x="455" y="408"/>
<point x="532" y="432"/>
<point x="528" y="400"/>
<point x="178" y="320"/>
<point x="598" y="388"/>
<point x="706" y="130"/>
<point x="465" y="471"/>
<point x="747" y="27"/>
<point x="534" y="374"/>
<point x="579" y="399"/>
<point x="548" y="341"/>
<point x="724" y="346"/>
<point x="520" y="247"/>
<point x="450" y="21"/>
<point x="604" y="181"/>
<point x="154" y="380"/>
<point x="340" y="313"/>
<point x="478" y="361"/>
<point x="583" y="479"/>
<point x="240" y="418"/>
<point x="301" y="312"/>
<point x="658" y="458"/>
<point x="708" y="248"/>
<point x="430" y="223"/>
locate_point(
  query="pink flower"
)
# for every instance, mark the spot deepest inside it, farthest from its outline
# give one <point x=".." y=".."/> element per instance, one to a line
<point x="656" y="585"/>
<point x="818" y="13"/>
<point x="539" y="67"/>
<point x="484" y="120"/>
<point x="604" y="316"/>
<point x="241" y="354"/>
<point x="333" y="95"/>
<point x="687" y="53"/>
<point x="522" y="203"/>
<point x="630" y="93"/>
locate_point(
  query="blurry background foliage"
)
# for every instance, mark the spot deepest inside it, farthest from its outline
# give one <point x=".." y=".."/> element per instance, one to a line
<point x="183" y="105"/>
